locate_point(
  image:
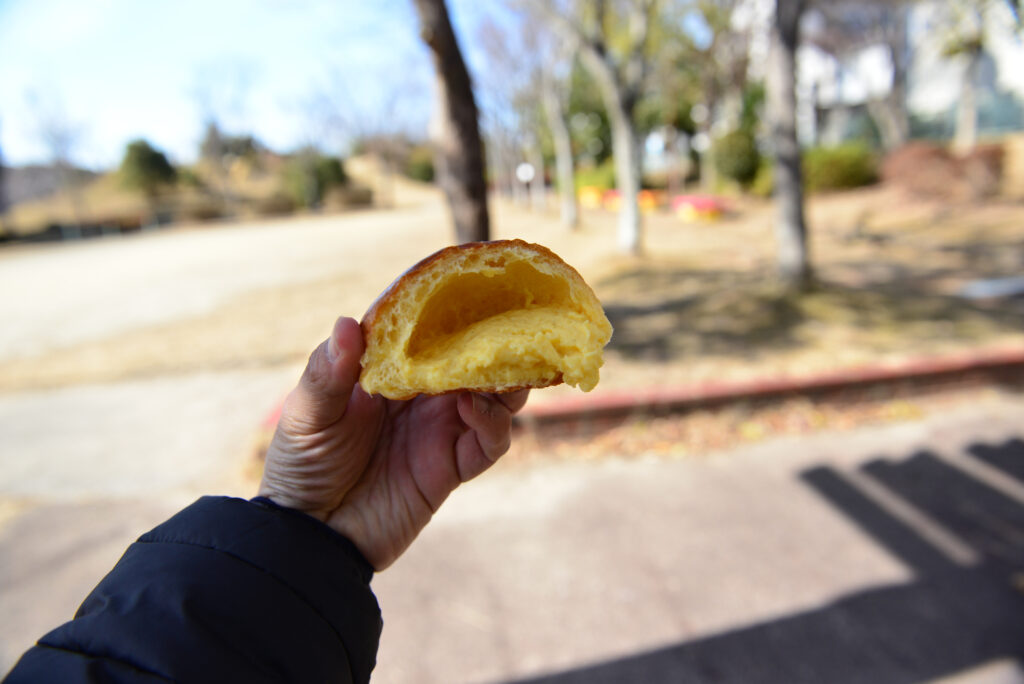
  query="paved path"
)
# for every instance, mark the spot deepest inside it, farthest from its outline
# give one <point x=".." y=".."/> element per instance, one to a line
<point x="156" y="436"/>
<point x="882" y="555"/>
<point x="52" y="296"/>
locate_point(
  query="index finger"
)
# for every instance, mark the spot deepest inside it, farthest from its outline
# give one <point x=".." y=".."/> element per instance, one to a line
<point x="513" y="401"/>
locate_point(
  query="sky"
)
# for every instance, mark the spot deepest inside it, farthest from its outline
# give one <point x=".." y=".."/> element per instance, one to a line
<point x="115" y="70"/>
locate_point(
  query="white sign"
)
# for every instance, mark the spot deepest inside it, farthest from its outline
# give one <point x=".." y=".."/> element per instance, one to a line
<point x="525" y="172"/>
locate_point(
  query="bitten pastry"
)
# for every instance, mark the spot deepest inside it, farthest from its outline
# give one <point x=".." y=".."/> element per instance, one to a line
<point x="484" y="316"/>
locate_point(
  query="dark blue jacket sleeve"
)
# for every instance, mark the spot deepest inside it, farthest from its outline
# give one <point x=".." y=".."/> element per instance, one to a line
<point x="227" y="590"/>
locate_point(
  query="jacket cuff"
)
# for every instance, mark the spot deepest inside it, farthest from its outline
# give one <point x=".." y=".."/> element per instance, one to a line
<point x="321" y="567"/>
<point x="363" y="566"/>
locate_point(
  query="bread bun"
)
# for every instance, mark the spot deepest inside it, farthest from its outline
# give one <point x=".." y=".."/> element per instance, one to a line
<point x="484" y="316"/>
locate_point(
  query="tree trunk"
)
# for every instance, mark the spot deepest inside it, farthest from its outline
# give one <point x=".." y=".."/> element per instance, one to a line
<point x="70" y="185"/>
<point x="538" y="188"/>
<point x="708" y="172"/>
<point x="620" y="86"/>
<point x="673" y="172"/>
<point x="459" y="155"/>
<point x="791" y="230"/>
<point x="520" y="192"/>
<point x="3" y="191"/>
<point x="498" y="160"/>
<point x="966" y="135"/>
<point x="626" y="151"/>
<point x="890" y="112"/>
<point x="563" y="155"/>
<point x="893" y="124"/>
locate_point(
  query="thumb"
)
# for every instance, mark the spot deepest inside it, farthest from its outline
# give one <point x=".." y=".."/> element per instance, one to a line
<point x="322" y="395"/>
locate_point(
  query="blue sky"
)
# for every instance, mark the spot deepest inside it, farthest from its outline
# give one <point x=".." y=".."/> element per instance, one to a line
<point x="121" y="69"/>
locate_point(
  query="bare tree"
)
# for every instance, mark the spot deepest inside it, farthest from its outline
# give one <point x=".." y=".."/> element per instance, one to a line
<point x="498" y="121"/>
<point x="221" y="92"/>
<point x="550" y="66"/>
<point x="459" y="154"/>
<point x="790" y="228"/>
<point x="619" y="67"/>
<point x="502" y="153"/>
<point x="964" y="29"/>
<point x="676" y="81"/>
<point x="850" y="26"/>
<point x="60" y="136"/>
<point x="509" y="102"/>
<point x="554" y="110"/>
<point x="718" y="63"/>
<point x="525" y="83"/>
<point x="381" y="124"/>
<point x="3" y="188"/>
<point x="890" y="111"/>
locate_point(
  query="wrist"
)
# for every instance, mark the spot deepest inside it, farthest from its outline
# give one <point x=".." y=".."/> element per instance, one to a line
<point x="292" y="503"/>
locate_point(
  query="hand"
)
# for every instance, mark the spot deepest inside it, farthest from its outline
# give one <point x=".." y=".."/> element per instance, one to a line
<point x="374" y="469"/>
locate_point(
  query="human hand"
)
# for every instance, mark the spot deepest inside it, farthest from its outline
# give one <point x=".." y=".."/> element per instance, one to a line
<point x="374" y="469"/>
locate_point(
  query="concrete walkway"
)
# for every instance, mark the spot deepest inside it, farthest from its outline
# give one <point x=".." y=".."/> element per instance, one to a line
<point x="890" y="554"/>
<point x="885" y="555"/>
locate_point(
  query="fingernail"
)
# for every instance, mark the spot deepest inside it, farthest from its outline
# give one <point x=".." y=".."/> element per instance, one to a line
<point x="480" y="404"/>
<point x="332" y="349"/>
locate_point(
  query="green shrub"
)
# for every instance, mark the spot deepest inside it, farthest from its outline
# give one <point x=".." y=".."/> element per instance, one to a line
<point x="601" y="176"/>
<point x="188" y="178"/>
<point x="330" y="172"/>
<point x="763" y="184"/>
<point x="145" y="168"/>
<point x="309" y="175"/>
<point x="736" y="157"/>
<point x="850" y="165"/>
<point x="420" y="164"/>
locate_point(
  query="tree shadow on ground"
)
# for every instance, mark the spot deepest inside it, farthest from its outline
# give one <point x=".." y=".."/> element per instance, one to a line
<point x="965" y="607"/>
<point x="665" y="314"/>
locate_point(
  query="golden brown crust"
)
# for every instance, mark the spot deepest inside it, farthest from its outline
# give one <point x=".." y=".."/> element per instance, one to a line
<point x="384" y="302"/>
<point x="484" y="390"/>
<point x="393" y="291"/>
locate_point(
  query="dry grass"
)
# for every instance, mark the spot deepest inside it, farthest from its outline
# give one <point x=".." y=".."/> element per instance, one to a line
<point x="106" y="200"/>
<point x="698" y="433"/>
<point x="102" y="198"/>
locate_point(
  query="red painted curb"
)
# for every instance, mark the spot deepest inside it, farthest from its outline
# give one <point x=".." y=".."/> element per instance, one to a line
<point x="690" y="396"/>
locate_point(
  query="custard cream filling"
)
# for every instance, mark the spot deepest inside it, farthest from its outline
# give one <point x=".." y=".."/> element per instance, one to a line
<point x="543" y="341"/>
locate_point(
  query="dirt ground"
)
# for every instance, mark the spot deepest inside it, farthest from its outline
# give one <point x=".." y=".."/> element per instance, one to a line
<point x="702" y="303"/>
